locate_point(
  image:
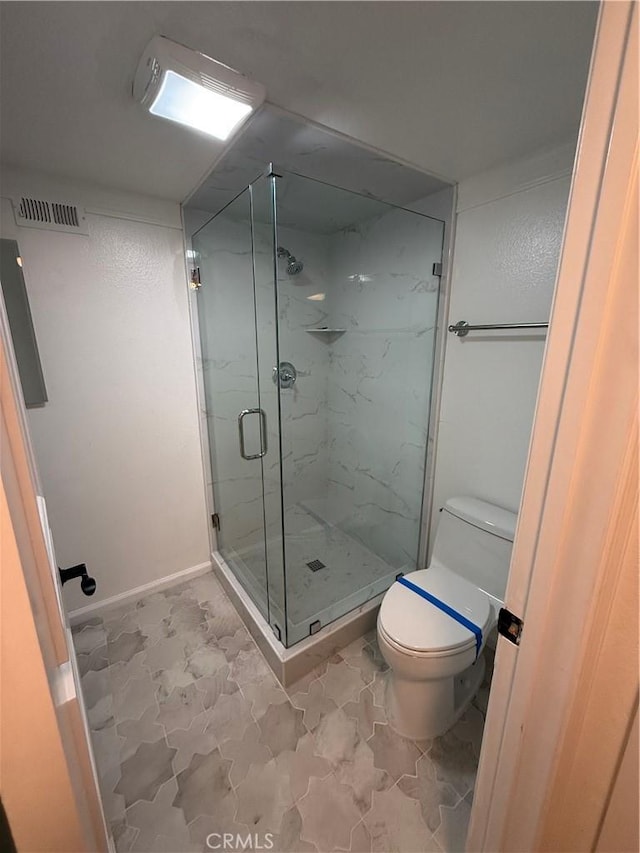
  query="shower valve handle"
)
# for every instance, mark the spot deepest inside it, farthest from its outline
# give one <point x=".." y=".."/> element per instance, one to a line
<point x="286" y="373"/>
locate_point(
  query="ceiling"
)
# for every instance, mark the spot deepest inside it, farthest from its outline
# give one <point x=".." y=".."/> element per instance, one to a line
<point x="452" y="87"/>
<point x="302" y="203"/>
<point x="331" y="161"/>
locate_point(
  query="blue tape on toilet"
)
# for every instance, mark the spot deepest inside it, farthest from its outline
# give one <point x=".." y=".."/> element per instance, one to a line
<point x="467" y="623"/>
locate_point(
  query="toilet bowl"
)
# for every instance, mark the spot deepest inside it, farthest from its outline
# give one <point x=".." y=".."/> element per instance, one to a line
<point x="435" y="659"/>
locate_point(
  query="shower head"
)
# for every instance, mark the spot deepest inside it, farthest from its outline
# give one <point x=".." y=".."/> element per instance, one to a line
<point x="294" y="266"/>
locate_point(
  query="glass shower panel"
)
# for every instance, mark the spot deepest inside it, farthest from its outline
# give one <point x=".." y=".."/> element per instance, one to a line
<point x="263" y="227"/>
<point x="357" y="308"/>
<point x="227" y="323"/>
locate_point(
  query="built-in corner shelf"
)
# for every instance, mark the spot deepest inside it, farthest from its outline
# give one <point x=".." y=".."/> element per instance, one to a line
<point x="327" y="334"/>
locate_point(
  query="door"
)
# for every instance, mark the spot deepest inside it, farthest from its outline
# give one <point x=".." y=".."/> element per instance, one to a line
<point x="563" y="701"/>
<point x="46" y="759"/>
<point x="237" y="327"/>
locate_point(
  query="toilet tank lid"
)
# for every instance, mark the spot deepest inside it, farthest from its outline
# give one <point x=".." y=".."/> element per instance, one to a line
<point x="484" y="515"/>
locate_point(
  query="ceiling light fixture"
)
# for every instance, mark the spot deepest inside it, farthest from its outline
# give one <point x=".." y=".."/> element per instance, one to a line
<point x="187" y="87"/>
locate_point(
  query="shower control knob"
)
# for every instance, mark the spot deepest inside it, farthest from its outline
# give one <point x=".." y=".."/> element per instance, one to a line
<point x="285" y="373"/>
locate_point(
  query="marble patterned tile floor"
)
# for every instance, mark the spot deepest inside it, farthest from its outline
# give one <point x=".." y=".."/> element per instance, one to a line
<point x="193" y="735"/>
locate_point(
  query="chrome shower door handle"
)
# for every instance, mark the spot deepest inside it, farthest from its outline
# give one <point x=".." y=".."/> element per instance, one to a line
<point x="263" y="433"/>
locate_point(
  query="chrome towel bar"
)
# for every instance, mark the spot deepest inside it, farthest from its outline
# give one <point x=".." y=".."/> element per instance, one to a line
<point x="462" y="328"/>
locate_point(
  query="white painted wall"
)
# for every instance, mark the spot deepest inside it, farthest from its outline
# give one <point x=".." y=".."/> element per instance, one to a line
<point x="507" y="243"/>
<point x="117" y="445"/>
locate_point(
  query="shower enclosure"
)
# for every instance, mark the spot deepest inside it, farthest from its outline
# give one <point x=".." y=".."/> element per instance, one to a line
<point x="317" y="317"/>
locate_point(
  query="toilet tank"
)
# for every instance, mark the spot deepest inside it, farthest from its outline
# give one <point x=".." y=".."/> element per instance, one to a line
<point x="474" y="539"/>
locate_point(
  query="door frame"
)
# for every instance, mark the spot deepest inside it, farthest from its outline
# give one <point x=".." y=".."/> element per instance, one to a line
<point x="542" y="782"/>
<point x="46" y="761"/>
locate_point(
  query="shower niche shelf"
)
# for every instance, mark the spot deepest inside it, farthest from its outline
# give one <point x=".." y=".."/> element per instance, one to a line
<point x="327" y="334"/>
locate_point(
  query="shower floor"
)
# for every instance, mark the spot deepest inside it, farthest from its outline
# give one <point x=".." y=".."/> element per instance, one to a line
<point x="352" y="574"/>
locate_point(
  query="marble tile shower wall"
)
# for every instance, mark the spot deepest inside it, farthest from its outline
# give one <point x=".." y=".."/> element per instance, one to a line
<point x="379" y="388"/>
<point x="301" y="409"/>
<point x="305" y="422"/>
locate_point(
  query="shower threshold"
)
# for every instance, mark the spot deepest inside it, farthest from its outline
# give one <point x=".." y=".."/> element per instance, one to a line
<point x="290" y="664"/>
<point x="350" y="579"/>
<point x="350" y="575"/>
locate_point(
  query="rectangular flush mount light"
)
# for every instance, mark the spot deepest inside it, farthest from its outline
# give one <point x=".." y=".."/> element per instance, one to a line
<point x="192" y="89"/>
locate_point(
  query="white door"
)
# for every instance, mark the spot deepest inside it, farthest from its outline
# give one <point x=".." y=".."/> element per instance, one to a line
<point x="49" y="782"/>
<point x="573" y="516"/>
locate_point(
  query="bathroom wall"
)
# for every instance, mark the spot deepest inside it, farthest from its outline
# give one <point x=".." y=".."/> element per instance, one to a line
<point x="117" y="444"/>
<point x="507" y="242"/>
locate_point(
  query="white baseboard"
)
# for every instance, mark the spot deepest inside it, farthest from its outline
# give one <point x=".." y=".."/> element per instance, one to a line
<point x="76" y="616"/>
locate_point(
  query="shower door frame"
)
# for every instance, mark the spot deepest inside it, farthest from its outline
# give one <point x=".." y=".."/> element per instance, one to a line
<point x="439" y="349"/>
<point x="273" y="610"/>
<point x="271" y="174"/>
<point x="279" y="628"/>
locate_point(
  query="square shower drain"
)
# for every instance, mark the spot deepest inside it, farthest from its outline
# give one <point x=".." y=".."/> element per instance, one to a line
<point x="316" y="565"/>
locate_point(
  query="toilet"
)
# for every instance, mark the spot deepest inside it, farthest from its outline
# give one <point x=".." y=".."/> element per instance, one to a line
<point x="433" y="624"/>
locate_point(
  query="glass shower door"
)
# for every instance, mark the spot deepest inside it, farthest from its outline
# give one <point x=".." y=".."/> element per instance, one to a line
<point x="237" y="323"/>
<point x="269" y="379"/>
<point x="236" y="423"/>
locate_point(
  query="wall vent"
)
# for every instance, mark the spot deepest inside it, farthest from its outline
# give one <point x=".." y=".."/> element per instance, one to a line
<point x="52" y="215"/>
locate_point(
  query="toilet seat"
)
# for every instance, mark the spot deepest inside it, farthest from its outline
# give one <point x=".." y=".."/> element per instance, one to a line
<point x="422" y="654"/>
<point x="420" y="629"/>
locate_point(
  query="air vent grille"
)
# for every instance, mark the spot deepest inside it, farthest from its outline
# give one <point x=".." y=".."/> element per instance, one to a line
<point x="65" y="214"/>
<point x="35" y="210"/>
<point x="42" y="213"/>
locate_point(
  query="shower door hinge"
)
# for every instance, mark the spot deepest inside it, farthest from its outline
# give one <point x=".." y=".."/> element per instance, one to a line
<point x="437" y="269"/>
<point x="215" y="521"/>
<point x="273" y="171"/>
<point x="510" y="626"/>
<point x="195" y="281"/>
